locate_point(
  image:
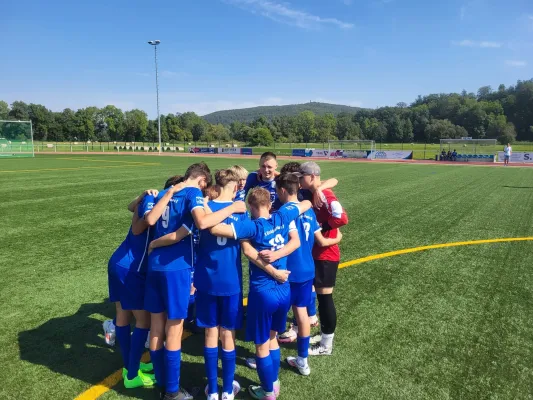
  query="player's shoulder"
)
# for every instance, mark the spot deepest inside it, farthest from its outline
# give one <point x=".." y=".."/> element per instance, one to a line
<point x="329" y="195"/>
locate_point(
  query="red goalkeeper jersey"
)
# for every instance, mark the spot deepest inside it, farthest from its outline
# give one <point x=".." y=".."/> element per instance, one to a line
<point x="330" y="216"/>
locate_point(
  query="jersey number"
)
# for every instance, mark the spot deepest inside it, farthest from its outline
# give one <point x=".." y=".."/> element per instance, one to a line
<point x="277" y="243"/>
<point x="165" y="217"/>
<point x="221" y="241"/>
<point x="307" y="227"/>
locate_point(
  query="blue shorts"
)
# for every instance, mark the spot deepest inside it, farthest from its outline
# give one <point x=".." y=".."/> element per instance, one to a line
<point x="168" y="291"/>
<point x="223" y="311"/>
<point x="267" y="311"/>
<point x="126" y="287"/>
<point x="301" y="293"/>
<point x="507" y="158"/>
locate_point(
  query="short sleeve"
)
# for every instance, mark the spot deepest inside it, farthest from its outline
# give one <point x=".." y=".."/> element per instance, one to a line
<point x="147" y="204"/>
<point x="292" y="226"/>
<point x="195" y="199"/>
<point x="289" y="213"/>
<point x="244" y="230"/>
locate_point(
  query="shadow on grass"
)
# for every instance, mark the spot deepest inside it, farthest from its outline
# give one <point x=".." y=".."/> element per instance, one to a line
<point x="518" y="187"/>
<point x="74" y="346"/>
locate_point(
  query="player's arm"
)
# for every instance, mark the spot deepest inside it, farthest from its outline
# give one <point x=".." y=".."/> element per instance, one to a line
<point x="222" y="230"/>
<point x="293" y="244"/>
<point x="251" y="253"/>
<point x="337" y="215"/>
<point x="318" y="195"/>
<point x="203" y="220"/>
<point x="322" y="241"/>
<point x="170" y="238"/>
<point x="136" y="201"/>
<point x="156" y="212"/>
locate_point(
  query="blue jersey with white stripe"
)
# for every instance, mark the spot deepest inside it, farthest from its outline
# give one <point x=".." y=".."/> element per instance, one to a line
<point x="132" y="252"/>
<point x="253" y="181"/>
<point x="300" y="262"/>
<point x="267" y="234"/>
<point x="177" y="214"/>
<point x="218" y="271"/>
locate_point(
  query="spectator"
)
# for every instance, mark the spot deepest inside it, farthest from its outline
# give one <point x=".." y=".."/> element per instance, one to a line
<point x="454" y="155"/>
<point x="507" y="150"/>
<point x="443" y="155"/>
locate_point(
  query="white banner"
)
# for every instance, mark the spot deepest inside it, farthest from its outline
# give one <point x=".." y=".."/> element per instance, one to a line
<point x="520" y="157"/>
<point x="229" y="150"/>
<point x="354" y="153"/>
<point x="392" y="155"/>
<point x="319" y="153"/>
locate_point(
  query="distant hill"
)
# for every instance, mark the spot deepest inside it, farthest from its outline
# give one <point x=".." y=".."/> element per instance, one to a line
<point x="247" y="115"/>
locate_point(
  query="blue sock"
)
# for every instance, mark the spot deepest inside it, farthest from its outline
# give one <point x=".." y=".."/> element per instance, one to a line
<point x="228" y="370"/>
<point x="264" y="370"/>
<point x="211" y="368"/>
<point x="303" y="346"/>
<point x="124" y="341"/>
<point x="138" y="339"/>
<point x="275" y="355"/>
<point x="311" y="308"/>
<point x="158" y="361"/>
<point x="172" y="370"/>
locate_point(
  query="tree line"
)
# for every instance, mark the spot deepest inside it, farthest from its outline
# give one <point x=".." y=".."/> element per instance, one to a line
<point x="505" y="114"/>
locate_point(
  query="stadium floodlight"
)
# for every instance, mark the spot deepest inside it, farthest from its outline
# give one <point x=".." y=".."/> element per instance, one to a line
<point x="155" y="43"/>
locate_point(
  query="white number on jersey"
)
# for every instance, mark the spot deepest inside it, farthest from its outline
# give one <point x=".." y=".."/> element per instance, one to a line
<point x="277" y="243"/>
<point x="165" y="217"/>
<point x="221" y="241"/>
<point x="307" y="227"/>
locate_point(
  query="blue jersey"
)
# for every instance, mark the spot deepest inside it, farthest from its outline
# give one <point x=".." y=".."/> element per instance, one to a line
<point x="305" y="194"/>
<point x="131" y="253"/>
<point x="300" y="262"/>
<point x="218" y="271"/>
<point x="267" y="234"/>
<point x="240" y="195"/>
<point x="177" y="214"/>
<point x="253" y="181"/>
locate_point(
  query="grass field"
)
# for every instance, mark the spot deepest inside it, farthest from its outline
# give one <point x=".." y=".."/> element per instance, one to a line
<point x="451" y="323"/>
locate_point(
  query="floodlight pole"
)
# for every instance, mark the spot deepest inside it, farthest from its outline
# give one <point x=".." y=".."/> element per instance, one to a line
<point x="155" y="43"/>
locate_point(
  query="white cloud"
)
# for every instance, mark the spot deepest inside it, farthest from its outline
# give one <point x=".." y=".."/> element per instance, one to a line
<point x="283" y="13"/>
<point x="515" y="63"/>
<point x="482" y="44"/>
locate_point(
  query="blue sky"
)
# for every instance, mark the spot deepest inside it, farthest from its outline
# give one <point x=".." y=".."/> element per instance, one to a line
<point x="221" y="54"/>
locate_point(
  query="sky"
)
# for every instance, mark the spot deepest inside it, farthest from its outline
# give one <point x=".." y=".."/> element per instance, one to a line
<point x="224" y="54"/>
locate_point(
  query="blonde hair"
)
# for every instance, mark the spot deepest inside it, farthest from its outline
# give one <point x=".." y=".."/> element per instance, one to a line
<point x="240" y="171"/>
<point x="225" y="176"/>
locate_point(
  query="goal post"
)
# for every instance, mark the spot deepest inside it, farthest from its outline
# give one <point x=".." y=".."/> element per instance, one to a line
<point x="16" y="139"/>
<point x="351" y="148"/>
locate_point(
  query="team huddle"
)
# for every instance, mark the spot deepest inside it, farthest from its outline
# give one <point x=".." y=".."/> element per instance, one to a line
<point x="185" y="244"/>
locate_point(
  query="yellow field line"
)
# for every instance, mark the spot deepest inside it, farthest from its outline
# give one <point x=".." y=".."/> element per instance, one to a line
<point x="107" y="161"/>
<point x="73" y="168"/>
<point x="431" y="247"/>
<point x="100" y="388"/>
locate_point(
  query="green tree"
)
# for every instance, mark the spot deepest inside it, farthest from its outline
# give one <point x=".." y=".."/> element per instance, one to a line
<point x="113" y="119"/>
<point x="19" y="111"/>
<point x="135" y="125"/>
<point x="4" y="110"/>
<point x="305" y="123"/>
<point x="325" y="127"/>
<point x="263" y="137"/>
<point x="41" y="119"/>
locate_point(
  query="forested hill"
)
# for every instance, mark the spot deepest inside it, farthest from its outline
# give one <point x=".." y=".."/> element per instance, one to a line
<point x="247" y="115"/>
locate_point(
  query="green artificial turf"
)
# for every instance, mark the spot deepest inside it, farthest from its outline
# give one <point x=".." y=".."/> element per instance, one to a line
<point x="449" y="323"/>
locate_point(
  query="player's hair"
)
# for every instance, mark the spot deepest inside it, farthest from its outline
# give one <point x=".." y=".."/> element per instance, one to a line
<point x="268" y="155"/>
<point x="289" y="182"/>
<point x="259" y="197"/>
<point x="290" y="167"/>
<point x="199" y="169"/>
<point x="174" y="180"/>
<point x="212" y="192"/>
<point x="225" y="176"/>
<point x="240" y="171"/>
